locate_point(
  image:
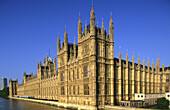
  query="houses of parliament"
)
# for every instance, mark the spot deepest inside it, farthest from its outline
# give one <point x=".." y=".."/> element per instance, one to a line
<point x="88" y="74"/>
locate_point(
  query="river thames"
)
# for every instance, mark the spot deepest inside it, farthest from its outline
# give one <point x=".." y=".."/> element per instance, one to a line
<point x="12" y="104"/>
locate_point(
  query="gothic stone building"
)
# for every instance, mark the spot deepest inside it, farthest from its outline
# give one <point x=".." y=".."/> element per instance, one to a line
<point x="88" y="73"/>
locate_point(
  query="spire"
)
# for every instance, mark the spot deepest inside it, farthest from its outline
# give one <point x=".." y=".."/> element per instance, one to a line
<point x="139" y="62"/>
<point x="127" y="54"/>
<point x="79" y="22"/>
<point x="65" y="39"/>
<point x="163" y="65"/>
<point x="111" y="21"/>
<point x="97" y="27"/>
<point x="79" y="28"/>
<point x="65" y="34"/>
<point x="92" y="11"/>
<point x="85" y="28"/>
<point x="143" y="62"/>
<point x="133" y="58"/>
<point x="92" y="21"/>
<point x="111" y="28"/>
<point x="44" y="61"/>
<point x="58" y="43"/>
<point x="102" y="24"/>
<point x="148" y="62"/>
<point x="119" y="52"/>
<point x="102" y="30"/>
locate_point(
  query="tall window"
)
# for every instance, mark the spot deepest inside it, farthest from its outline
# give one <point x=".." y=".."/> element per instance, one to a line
<point x="107" y="51"/>
<point x="86" y="89"/>
<point x="73" y="90"/>
<point x="167" y="78"/>
<point x="62" y="76"/>
<point x="86" y="49"/>
<point x="98" y="49"/>
<point x="78" y="90"/>
<point x="62" y="90"/>
<point x="77" y="73"/>
<point x="73" y="74"/>
<point x="86" y="70"/>
<point x="69" y="90"/>
<point x="107" y="71"/>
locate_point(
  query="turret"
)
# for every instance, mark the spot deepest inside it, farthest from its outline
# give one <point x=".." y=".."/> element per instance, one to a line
<point x="102" y="30"/>
<point x="65" y="40"/>
<point x="127" y="59"/>
<point x="158" y="65"/>
<point x="133" y="61"/>
<point x="79" y="29"/>
<point x="143" y="64"/>
<point x="138" y="63"/>
<point x="148" y="65"/>
<point x="120" y="57"/>
<point x="98" y="28"/>
<point x="152" y="66"/>
<point x="44" y="61"/>
<point x="111" y="28"/>
<point x="24" y="77"/>
<point x="92" y="22"/>
<point x="163" y="67"/>
<point x="58" y="44"/>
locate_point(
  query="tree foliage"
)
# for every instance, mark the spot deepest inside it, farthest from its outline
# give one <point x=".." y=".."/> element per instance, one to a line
<point x="4" y="93"/>
<point x="162" y="103"/>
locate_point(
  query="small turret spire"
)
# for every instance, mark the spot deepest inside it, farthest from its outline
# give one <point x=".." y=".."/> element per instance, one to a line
<point x="102" y="24"/>
<point x="126" y="54"/>
<point x="58" y="43"/>
<point x="65" y="38"/>
<point x="111" y="21"/>
<point x="102" y="30"/>
<point x="148" y="62"/>
<point x="65" y="34"/>
<point x="79" y="29"/>
<point x="111" y="28"/>
<point x="138" y="60"/>
<point x="133" y="58"/>
<point x="119" y="52"/>
<point x="79" y="19"/>
<point x="92" y="22"/>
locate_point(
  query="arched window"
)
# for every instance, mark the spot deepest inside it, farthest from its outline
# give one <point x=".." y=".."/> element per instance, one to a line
<point x="98" y="49"/>
<point x="77" y="73"/>
<point x="73" y="74"/>
<point x="63" y="77"/>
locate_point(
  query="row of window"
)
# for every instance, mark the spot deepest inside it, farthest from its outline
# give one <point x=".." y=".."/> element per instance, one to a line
<point x="86" y="90"/>
<point x="86" y="73"/>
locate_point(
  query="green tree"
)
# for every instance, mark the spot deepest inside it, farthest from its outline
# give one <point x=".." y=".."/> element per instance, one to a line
<point x="5" y="92"/>
<point x="162" y="103"/>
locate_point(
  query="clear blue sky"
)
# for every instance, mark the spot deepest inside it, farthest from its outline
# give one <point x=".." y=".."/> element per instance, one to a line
<point x="28" y="28"/>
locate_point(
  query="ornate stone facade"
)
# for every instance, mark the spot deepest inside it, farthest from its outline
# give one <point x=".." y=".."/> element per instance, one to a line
<point x="88" y="73"/>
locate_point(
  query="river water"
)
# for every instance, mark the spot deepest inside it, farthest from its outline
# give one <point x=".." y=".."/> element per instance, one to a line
<point x="11" y="104"/>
